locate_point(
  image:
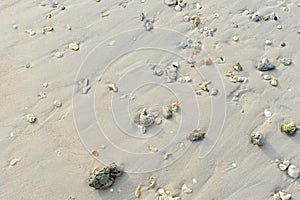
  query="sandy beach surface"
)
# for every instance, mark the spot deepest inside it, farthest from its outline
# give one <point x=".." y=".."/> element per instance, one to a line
<point x="76" y="74"/>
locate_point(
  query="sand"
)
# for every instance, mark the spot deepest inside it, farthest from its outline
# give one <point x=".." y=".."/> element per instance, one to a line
<point x="51" y="158"/>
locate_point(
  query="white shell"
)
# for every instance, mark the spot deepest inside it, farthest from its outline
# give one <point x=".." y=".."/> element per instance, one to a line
<point x="185" y="189"/>
<point x="268" y="42"/>
<point x="267" y="113"/>
<point x="293" y="171"/>
<point x="267" y="77"/>
<point x="283" y="165"/>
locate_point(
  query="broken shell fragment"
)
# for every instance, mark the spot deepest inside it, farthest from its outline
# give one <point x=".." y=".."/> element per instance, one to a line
<point x="167" y="112"/>
<point x="113" y="87"/>
<point x="207" y="61"/>
<point x="196" y="135"/>
<point x="170" y="2"/>
<point x="185" y="189"/>
<point x="293" y="171"/>
<point x="256" y="139"/>
<point x="104" y="177"/>
<point x="13" y="162"/>
<point x="138" y="191"/>
<point x="148" y="25"/>
<point x="196" y="20"/>
<point x="283" y="165"/>
<point x="282" y="195"/>
<point x="213" y="91"/>
<point x="31" y="118"/>
<point x="48" y="29"/>
<point x="237" y="67"/>
<point x="157" y="120"/>
<point x="74" y="46"/>
<point x="174" y="107"/>
<point x="288" y="128"/>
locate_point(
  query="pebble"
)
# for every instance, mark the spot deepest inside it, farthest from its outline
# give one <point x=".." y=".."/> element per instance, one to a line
<point x="142" y="129"/>
<point x="15" y="26"/>
<point x="148" y="25"/>
<point x="213" y="91"/>
<point x="195" y="135"/>
<point x="256" y="139"/>
<point x="48" y="29"/>
<point x="268" y="42"/>
<point x="194" y="181"/>
<point x="267" y="77"/>
<point x="283" y="44"/>
<point x="274" y="82"/>
<point x="235" y="38"/>
<point x="177" y="8"/>
<point x="68" y="27"/>
<point x="286" y="61"/>
<point x="293" y="171"/>
<point x="57" y="104"/>
<point x="74" y="46"/>
<point x="207" y="61"/>
<point x="58" y="54"/>
<point x="288" y="127"/>
<point x="11" y="134"/>
<point x="279" y="27"/>
<point x="14" y="162"/>
<point x="31" y="118"/>
<point x="105" y="14"/>
<point x="158" y="71"/>
<point x="246" y="12"/>
<point x="157" y="120"/>
<point x="265" y="65"/>
<point x="45" y="85"/>
<point x="186" y="18"/>
<point x="28" y="65"/>
<point x="167" y="112"/>
<point x="267" y="113"/>
<point x="31" y="32"/>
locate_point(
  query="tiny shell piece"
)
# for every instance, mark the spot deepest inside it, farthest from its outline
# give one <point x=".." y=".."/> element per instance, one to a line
<point x="282" y="195"/>
<point x="293" y="171"/>
<point x="138" y="191"/>
<point x="167" y="155"/>
<point x="14" y="162"/>
<point x="157" y="120"/>
<point x="74" y="46"/>
<point x="288" y="128"/>
<point x="31" y="118"/>
<point x="112" y="87"/>
<point x="235" y="38"/>
<point x="174" y="106"/>
<point x="185" y="189"/>
<point x="48" y="28"/>
<point x="237" y="67"/>
<point x="196" y="135"/>
<point x="207" y="61"/>
<point x="283" y="165"/>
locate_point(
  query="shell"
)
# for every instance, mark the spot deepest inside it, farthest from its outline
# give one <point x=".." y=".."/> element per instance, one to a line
<point x="265" y="65"/>
<point x="282" y="195"/>
<point x="196" y="135"/>
<point x="178" y="8"/>
<point x="48" y="28"/>
<point x="235" y="38"/>
<point x="138" y="191"/>
<point x="185" y="189"/>
<point x="267" y="113"/>
<point x="146" y="118"/>
<point x="74" y="46"/>
<point x="288" y="128"/>
<point x="157" y="120"/>
<point x="293" y="171"/>
<point x="267" y="77"/>
<point x="174" y="106"/>
<point x="283" y="165"/>
<point x="237" y="67"/>
<point x="213" y="91"/>
<point x="113" y="87"/>
<point x="31" y="118"/>
<point x="207" y="61"/>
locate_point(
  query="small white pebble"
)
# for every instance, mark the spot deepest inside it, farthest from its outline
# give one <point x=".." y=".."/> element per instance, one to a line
<point x="111" y="190"/>
<point x="58" y="54"/>
<point x="15" y="26"/>
<point x="279" y="27"/>
<point x="11" y="134"/>
<point x="268" y="42"/>
<point x="267" y="77"/>
<point x="289" y="89"/>
<point x="194" y="180"/>
<point x="178" y="8"/>
<point x="267" y="113"/>
<point x="235" y="38"/>
<point x="234" y="165"/>
<point x="45" y="84"/>
<point x="246" y="12"/>
<point x="111" y="43"/>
